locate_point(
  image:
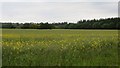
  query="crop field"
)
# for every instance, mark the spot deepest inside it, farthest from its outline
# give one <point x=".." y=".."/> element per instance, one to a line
<point x="59" y="47"/>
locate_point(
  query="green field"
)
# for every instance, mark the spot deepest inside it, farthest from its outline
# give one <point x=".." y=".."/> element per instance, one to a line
<point x="30" y="47"/>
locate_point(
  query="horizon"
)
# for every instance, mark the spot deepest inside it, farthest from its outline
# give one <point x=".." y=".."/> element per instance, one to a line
<point x="59" y="22"/>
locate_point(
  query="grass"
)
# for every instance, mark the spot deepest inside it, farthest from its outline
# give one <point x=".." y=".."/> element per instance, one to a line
<point x="23" y="47"/>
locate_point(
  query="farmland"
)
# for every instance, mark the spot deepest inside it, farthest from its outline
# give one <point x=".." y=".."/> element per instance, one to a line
<point x="59" y="47"/>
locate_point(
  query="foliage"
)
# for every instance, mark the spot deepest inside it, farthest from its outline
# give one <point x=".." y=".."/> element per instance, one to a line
<point x="23" y="47"/>
<point x="109" y="23"/>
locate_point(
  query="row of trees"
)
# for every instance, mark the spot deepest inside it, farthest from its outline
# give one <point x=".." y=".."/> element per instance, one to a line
<point x="109" y="23"/>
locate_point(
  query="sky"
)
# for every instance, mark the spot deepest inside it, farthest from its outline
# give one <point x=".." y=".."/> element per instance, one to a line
<point x="59" y="0"/>
<point x="56" y="10"/>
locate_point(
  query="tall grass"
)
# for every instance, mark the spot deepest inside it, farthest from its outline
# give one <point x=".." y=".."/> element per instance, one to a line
<point x="59" y="47"/>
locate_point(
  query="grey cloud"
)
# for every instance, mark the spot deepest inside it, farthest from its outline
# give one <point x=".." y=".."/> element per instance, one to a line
<point x="55" y="12"/>
<point x="59" y="0"/>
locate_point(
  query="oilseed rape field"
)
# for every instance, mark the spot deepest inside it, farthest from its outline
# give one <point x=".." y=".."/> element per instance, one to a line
<point x="59" y="47"/>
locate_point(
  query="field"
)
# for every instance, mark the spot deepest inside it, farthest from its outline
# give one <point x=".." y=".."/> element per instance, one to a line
<point x="30" y="47"/>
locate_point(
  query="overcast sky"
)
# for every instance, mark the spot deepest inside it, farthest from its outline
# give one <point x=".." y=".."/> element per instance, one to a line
<point x="59" y="0"/>
<point x="57" y="11"/>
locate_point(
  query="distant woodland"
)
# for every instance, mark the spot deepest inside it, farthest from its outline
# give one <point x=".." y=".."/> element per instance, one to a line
<point x="108" y="23"/>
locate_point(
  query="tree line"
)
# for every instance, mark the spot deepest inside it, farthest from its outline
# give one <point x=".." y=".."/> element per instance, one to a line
<point x="108" y="23"/>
